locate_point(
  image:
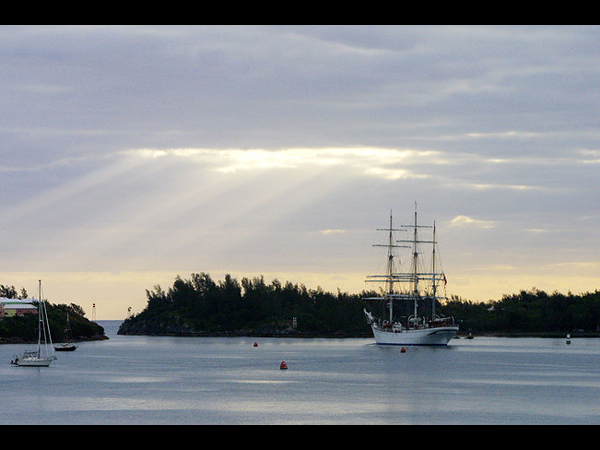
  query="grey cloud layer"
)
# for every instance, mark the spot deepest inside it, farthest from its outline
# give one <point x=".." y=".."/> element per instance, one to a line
<point x="74" y="90"/>
<point x="137" y="148"/>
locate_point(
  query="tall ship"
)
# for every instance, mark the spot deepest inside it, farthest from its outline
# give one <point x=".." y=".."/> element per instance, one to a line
<point x="413" y="286"/>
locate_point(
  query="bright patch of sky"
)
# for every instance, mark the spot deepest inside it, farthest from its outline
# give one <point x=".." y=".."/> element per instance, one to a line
<point x="131" y="154"/>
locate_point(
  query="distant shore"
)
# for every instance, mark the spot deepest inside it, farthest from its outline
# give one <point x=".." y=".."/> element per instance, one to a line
<point x="513" y="334"/>
<point x="18" y="340"/>
<point x="517" y="334"/>
<point x="252" y="334"/>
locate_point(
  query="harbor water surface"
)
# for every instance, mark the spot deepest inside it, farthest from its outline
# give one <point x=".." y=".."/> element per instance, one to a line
<point x="176" y="380"/>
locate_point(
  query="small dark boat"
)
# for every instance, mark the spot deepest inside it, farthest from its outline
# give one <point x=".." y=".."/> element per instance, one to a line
<point x="66" y="346"/>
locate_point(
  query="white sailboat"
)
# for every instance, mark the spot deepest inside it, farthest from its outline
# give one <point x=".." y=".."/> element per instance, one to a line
<point x="44" y="355"/>
<point x="409" y="291"/>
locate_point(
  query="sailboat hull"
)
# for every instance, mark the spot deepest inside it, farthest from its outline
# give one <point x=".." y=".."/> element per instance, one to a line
<point x="438" y="336"/>
<point x="65" y="348"/>
<point x="36" y="362"/>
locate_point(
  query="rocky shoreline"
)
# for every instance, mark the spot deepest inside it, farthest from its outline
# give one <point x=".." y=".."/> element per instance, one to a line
<point x="141" y="329"/>
<point x="19" y="340"/>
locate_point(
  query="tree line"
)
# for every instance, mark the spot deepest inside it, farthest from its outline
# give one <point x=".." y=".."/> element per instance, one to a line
<point x="25" y="328"/>
<point x="530" y="311"/>
<point x="251" y="306"/>
<point x="7" y="291"/>
<point x="201" y="306"/>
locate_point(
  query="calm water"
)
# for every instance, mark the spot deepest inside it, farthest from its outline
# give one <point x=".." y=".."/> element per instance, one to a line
<point x="161" y="380"/>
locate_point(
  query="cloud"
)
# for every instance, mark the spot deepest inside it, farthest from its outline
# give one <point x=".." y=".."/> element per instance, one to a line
<point x="275" y="87"/>
<point x="466" y="221"/>
<point x="393" y="174"/>
<point x="165" y="149"/>
<point x="368" y="159"/>
<point x="336" y="231"/>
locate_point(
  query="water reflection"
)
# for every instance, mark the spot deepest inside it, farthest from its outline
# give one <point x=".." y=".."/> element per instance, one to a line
<point x="153" y="380"/>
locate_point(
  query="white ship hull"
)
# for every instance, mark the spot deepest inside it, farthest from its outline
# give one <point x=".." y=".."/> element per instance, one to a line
<point x="34" y="362"/>
<point x="437" y="336"/>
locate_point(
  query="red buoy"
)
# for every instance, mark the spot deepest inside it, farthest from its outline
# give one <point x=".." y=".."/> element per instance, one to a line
<point x="402" y="350"/>
<point x="256" y="344"/>
<point x="283" y="365"/>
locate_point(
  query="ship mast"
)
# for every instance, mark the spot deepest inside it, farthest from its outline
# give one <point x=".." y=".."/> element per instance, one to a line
<point x="415" y="264"/>
<point x="390" y="264"/>
<point x="412" y="278"/>
<point x="434" y="287"/>
<point x="416" y="275"/>
<point x="389" y="277"/>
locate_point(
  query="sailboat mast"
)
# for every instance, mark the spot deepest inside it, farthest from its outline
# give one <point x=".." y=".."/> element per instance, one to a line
<point x="389" y="276"/>
<point x="391" y="269"/>
<point x="433" y="276"/>
<point x="40" y="317"/>
<point x="44" y="327"/>
<point x="415" y="264"/>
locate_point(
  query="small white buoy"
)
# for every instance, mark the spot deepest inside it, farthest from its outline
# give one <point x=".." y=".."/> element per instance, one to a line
<point x="568" y="339"/>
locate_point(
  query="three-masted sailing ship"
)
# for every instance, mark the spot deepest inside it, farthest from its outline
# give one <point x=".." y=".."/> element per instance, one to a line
<point x="411" y="292"/>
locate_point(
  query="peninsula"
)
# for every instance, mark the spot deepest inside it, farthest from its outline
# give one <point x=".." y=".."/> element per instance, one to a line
<point x="18" y="320"/>
<point x="200" y="306"/>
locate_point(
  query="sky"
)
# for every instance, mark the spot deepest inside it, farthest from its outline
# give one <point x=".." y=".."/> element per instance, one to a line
<point x="133" y="154"/>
